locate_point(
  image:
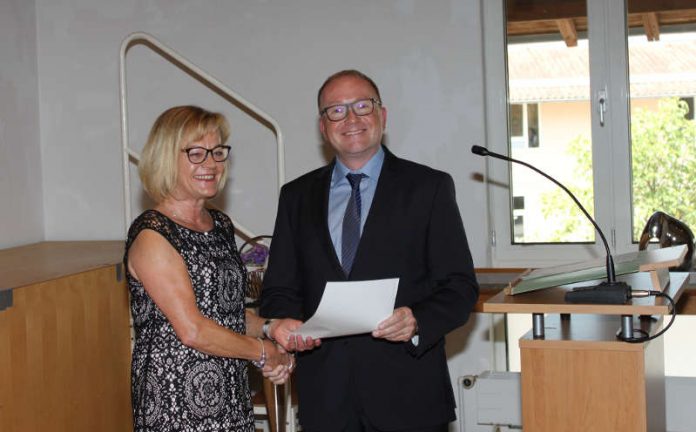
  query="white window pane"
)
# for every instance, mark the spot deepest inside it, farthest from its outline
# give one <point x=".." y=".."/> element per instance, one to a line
<point x="550" y="128"/>
<point x="663" y="133"/>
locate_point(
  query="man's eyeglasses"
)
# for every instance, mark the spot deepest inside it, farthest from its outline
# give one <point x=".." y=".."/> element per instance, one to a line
<point x="198" y="155"/>
<point x="360" y="107"/>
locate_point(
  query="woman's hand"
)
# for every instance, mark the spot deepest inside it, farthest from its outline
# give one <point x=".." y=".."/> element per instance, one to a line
<point x="279" y="364"/>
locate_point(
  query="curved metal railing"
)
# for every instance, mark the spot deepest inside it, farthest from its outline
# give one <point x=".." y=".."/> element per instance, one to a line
<point x="140" y="38"/>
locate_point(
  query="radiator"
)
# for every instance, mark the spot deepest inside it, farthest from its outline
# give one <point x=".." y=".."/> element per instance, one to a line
<point x="490" y="402"/>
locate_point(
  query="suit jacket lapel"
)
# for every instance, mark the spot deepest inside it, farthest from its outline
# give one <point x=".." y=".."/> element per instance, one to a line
<point x="321" y="191"/>
<point x="381" y="208"/>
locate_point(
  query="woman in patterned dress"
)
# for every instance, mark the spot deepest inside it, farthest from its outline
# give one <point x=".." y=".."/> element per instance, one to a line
<point x="193" y="335"/>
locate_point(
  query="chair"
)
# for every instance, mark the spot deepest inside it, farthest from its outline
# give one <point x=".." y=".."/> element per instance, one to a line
<point x="254" y="253"/>
<point x="281" y="414"/>
<point x="670" y="232"/>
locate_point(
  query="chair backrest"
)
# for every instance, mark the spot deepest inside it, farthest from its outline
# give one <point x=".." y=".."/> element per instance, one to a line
<point x="670" y="231"/>
<point x="254" y="253"/>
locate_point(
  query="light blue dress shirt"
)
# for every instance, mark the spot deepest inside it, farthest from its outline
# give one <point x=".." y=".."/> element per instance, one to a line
<point x="339" y="194"/>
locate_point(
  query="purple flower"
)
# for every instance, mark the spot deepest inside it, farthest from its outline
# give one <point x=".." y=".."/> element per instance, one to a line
<point x="256" y="255"/>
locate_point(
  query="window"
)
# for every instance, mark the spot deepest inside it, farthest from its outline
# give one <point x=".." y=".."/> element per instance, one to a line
<point x="567" y="63"/>
<point x="518" y="217"/>
<point x="524" y="125"/>
<point x="553" y="79"/>
<point x="662" y="78"/>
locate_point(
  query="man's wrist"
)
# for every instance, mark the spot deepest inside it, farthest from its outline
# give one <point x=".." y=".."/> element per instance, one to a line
<point x="415" y="339"/>
<point x="266" y="329"/>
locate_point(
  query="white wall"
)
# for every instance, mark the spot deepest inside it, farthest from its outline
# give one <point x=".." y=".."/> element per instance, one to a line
<point x="425" y="56"/>
<point x="21" y="212"/>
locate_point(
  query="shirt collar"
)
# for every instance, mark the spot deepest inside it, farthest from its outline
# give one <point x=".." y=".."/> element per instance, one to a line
<point x="371" y="169"/>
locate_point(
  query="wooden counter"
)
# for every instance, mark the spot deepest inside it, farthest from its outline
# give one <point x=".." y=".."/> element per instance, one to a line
<point x="64" y="338"/>
<point x="41" y="262"/>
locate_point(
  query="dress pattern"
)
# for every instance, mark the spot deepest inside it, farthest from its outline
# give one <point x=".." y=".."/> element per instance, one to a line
<point x="174" y="387"/>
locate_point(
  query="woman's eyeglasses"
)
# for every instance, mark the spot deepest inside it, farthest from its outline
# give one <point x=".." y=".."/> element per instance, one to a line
<point x="198" y="155"/>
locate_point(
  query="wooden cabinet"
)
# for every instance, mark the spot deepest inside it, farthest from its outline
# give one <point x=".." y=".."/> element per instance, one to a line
<point x="64" y="338"/>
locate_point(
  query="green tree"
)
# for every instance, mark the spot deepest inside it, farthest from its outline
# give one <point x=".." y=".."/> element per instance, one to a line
<point x="663" y="168"/>
<point x="664" y="163"/>
<point x="572" y="225"/>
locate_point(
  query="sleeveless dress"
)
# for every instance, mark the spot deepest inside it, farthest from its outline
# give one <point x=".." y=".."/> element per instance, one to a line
<point x="174" y="387"/>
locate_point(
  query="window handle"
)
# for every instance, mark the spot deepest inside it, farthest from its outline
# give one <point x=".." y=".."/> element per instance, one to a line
<point x="602" y="105"/>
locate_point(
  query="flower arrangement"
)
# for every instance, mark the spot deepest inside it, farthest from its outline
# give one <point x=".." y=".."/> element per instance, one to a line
<point x="256" y="256"/>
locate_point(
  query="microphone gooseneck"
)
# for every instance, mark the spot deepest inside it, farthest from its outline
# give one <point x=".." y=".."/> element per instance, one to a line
<point x="609" y="292"/>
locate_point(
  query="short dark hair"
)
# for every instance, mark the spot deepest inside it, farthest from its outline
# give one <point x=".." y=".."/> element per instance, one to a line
<point x="346" y="73"/>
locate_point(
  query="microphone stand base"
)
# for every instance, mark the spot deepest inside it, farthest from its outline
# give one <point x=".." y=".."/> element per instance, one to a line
<point x="604" y="293"/>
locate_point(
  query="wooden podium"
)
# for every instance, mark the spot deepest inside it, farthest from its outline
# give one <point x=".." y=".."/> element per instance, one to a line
<point x="576" y="374"/>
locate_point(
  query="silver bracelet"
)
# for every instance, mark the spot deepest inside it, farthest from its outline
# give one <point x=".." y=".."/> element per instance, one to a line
<point x="262" y="361"/>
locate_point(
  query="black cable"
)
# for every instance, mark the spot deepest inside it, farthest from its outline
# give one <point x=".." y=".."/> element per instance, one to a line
<point x="645" y="335"/>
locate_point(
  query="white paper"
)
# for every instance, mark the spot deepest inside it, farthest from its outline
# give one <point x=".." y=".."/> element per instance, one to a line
<point x="349" y="308"/>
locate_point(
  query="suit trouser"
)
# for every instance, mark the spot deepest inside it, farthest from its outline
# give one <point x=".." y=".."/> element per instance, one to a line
<point x="358" y="421"/>
<point x="360" y="424"/>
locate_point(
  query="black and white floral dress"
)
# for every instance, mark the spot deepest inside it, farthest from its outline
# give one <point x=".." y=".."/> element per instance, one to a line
<point x="174" y="387"/>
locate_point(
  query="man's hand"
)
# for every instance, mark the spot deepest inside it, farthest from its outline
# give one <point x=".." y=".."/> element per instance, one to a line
<point x="282" y="331"/>
<point x="401" y="326"/>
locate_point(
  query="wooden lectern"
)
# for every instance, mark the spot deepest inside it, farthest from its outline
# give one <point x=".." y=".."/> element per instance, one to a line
<point x="576" y="374"/>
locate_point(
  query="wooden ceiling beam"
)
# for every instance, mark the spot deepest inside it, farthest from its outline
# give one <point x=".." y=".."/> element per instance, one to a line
<point x="545" y="10"/>
<point x="534" y="17"/>
<point x="643" y="6"/>
<point x="568" y="31"/>
<point x="651" y="26"/>
<point x="524" y="10"/>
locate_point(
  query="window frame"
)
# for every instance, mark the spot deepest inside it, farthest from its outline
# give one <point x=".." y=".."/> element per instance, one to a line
<point x="608" y="45"/>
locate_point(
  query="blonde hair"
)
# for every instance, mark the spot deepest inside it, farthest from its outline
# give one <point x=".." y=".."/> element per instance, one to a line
<point x="174" y="129"/>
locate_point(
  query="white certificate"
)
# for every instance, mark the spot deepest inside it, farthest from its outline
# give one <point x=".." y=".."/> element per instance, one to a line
<point x="349" y="308"/>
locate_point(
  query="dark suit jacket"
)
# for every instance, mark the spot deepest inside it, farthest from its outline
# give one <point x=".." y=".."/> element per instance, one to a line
<point x="414" y="232"/>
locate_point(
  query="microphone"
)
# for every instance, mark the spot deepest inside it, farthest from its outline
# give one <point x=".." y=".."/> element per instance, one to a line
<point x="609" y="292"/>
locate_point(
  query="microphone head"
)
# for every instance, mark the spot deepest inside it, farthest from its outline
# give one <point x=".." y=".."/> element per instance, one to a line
<point x="481" y="151"/>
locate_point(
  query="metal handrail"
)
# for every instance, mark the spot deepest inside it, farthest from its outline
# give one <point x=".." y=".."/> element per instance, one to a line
<point x="190" y="68"/>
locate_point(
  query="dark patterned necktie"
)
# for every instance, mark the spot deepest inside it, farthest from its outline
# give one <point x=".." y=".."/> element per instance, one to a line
<point x="351" y="224"/>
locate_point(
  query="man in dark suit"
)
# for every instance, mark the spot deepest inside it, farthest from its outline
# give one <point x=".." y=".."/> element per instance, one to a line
<point x="370" y="215"/>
